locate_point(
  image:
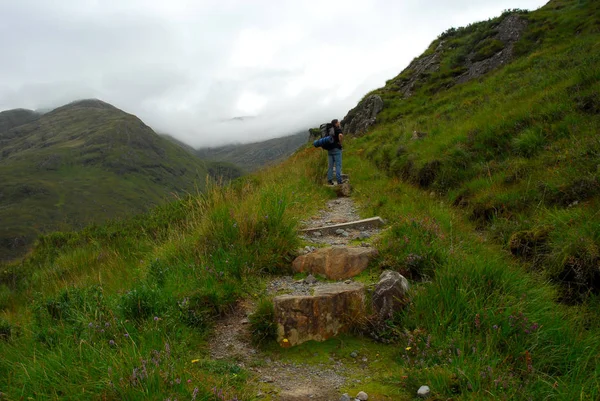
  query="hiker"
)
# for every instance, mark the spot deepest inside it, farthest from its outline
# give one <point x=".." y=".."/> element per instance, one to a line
<point x="334" y="154"/>
<point x="331" y="140"/>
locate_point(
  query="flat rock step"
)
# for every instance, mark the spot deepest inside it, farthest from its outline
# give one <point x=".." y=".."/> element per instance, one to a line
<point x="328" y="312"/>
<point x="365" y="224"/>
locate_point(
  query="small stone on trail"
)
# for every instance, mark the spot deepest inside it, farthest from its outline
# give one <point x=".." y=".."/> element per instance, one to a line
<point x="348" y="281"/>
<point x="345" y="397"/>
<point x="364" y="235"/>
<point x="267" y="379"/>
<point x="245" y="321"/>
<point x="317" y="234"/>
<point x="364" y="359"/>
<point x="362" y="396"/>
<point x="310" y="279"/>
<point x="345" y="234"/>
<point x="354" y="354"/>
<point x="424" y="392"/>
<point x="339" y="231"/>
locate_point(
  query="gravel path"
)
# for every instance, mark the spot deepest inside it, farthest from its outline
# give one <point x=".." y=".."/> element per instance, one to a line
<point x="337" y="211"/>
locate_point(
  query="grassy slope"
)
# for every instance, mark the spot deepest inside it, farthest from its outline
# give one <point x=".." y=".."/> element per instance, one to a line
<point x="519" y="150"/>
<point x="85" y="162"/>
<point x="480" y="325"/>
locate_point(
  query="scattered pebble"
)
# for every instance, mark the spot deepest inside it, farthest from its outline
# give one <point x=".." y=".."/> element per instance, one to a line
<point x="348" y="281"/>
<point x="310" y="279"/>
<point x="424" y="392"/>
<point x="345" y="397"/>
<point x="317" y="234"/>
<point x="354" y="354"/>
<point x="362" y="396"/>
<point x="364" y="235"/>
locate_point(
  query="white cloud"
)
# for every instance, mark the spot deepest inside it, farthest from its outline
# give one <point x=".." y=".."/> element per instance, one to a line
<point x="185" y="66"/>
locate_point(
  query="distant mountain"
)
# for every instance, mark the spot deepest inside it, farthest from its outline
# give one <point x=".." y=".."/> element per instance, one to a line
<point x="252" y="156"/>
<point x="10" y="119"/>
<point x="85" y="162"/>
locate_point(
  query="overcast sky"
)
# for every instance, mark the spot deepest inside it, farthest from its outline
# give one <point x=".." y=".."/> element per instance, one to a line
<point x="185" y="67"/>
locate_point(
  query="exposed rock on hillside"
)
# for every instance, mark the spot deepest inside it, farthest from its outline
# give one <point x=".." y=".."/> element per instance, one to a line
<point x="509" y="32"/>
<point x="493" y="49"/>
<point x="363" y="116"/>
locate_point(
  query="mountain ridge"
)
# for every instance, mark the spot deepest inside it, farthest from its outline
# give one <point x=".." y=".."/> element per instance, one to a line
<point x="85" y="162"/>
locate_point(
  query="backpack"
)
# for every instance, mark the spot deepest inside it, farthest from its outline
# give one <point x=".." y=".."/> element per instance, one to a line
<point x="327" y="140"/>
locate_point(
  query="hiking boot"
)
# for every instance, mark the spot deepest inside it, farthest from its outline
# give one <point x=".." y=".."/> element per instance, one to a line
<point x="340" y="182"/>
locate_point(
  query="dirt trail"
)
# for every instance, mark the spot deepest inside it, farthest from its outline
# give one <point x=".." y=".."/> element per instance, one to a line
<point x="279" y="379"/>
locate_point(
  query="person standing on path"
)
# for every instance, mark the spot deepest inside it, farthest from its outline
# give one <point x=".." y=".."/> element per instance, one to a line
<point x="334" y="154"/>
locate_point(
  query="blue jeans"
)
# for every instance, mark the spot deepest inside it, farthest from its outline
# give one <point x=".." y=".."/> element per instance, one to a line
<point x="335" y="158"/>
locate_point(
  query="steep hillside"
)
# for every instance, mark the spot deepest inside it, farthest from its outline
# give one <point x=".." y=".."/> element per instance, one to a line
<point x="10" y="119"/>
<point x="129" y="309"/>
<point x="252" y="156"/>
<point x="81" y="163"/>
<point x="516" y="148"/>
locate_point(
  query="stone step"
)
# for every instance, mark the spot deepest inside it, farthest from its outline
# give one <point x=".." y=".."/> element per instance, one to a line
<point x="365" y="224"/>
<point x="328" y="312"/>
<point x="335" y="263"/>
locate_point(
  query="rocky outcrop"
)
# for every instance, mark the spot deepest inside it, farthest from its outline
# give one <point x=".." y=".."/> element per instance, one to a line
<point x="335" y="263"/>
<point x="328" y="312"/>
<point x="509" y="32"/>
<point x="363" y="116"/>
<point x="390" y="294"/>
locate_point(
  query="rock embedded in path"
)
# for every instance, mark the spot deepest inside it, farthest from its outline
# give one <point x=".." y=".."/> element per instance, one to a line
<point x="344" y="190"/>
<point x="362" y="396"/>
<point x="345" y="397"/>
<point x="310" y="279"/>
<point x="390" y="294"/>
<point x="328" y="312"/>
<point x="424" y="392"/>
<point x="317" y="234"/>
<point x="335" y="263"/>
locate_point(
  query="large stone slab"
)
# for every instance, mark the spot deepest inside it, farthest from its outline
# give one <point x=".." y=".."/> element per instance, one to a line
<point x="328" y="312"/>
<point x="335" y="263"/>
<point x="365" y="224"/>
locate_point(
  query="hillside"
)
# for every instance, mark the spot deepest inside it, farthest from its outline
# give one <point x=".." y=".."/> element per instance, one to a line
<point x="518" y="151"/>
<point x="487" y="189"/>
<point x="252" y="156"/>
<point x="84" y="162"/>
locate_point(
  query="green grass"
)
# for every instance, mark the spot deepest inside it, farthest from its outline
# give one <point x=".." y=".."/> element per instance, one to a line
<point x="493" y="217"/>
<point x="515" y="148"/>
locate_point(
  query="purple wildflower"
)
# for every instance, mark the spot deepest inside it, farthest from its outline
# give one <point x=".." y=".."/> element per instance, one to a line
<point x="112" y="343"/>
<point x="127" y="335"/>
<point x="156" y="318"/>
<point x="90" y="325"/>
<point x="189" y="381"/>
<point x="195" y="393"/>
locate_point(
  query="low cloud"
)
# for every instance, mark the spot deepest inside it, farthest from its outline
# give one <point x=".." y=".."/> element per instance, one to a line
<point x="187" y="68"/>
